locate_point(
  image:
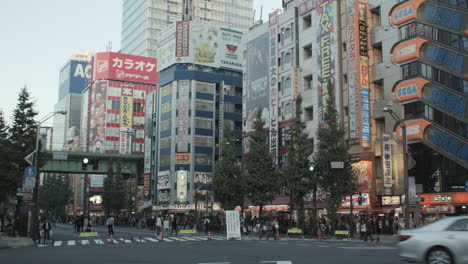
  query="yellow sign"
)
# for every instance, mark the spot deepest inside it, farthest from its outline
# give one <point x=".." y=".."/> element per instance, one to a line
<point x="88" y="234"/>
<point x="295" y="231"/>
<point x="126" y="108"/>
<point x="188" y="231"/>
<point x="341" y="232"/>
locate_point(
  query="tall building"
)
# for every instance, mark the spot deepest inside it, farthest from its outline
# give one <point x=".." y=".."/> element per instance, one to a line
<point x="432" y="53"/>
<point x="199" y="93"/>
<point x="74" y="78"/>
<point x="114" y="112"/>
<point x="142" y="20"/>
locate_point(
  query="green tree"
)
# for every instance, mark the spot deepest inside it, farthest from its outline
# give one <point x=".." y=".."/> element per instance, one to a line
<point x="227" y="182"/>
<point x="333" y="146"/>
<point x="299" y="179"/>
<point x="262" y="177"/>
<point x="117" y="192"/>
<point x="22" y="133"/>
<point x="7" y="179"/>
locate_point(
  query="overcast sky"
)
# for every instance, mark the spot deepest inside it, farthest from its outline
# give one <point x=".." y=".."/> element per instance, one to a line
<point x="38" y="37"/>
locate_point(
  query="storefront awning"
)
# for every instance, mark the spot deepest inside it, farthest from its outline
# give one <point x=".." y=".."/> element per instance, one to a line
<point x="383" y="209"/>
<point x="347" y="211"/>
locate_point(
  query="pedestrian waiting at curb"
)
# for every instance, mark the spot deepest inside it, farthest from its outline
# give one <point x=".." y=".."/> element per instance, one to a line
<point x="110" y="228"/>
<point x="174" y="226"/>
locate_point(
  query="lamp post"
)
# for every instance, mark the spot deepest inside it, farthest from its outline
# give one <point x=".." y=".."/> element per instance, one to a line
<point x="35" y="227"/>
<point x="405" y="160"/>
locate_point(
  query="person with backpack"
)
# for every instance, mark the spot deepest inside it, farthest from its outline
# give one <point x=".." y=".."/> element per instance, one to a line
<point x="110" y="228"/>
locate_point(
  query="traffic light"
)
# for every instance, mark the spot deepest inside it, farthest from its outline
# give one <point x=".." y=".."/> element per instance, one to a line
<point x="311" y="167"/>
<point x="359" y="199"/>
<point x="84" y="164"/>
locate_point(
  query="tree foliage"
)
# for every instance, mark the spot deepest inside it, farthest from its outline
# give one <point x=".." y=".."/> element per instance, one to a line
<point x="116" y="195"/>
<point x="55" y="193"/>
<point x="262" y="176"/>
<point x="22" y="133"/>
<point x="227" y="180"/>
<point x="333" y="146"/>
<point x="299" y="179"/>
<point x="8" y="181"/>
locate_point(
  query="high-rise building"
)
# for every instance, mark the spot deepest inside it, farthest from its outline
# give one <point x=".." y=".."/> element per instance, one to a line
<point x="142" y="20"/>
<point x="74" y="78"/>
<point x="199" y="93"/>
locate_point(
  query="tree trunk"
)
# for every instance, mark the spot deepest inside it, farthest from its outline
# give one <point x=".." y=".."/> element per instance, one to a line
<point x="301" y="219"/>
<point x="291" y="204"/>
<point x="314" y="211"/>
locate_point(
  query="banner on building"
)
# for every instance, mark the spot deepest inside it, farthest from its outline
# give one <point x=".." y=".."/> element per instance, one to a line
<point x="97" y="116"/>
<point x="296" y="82"/>
<point x="181" y="186"/>
<point x="146" y="186"/>
<point x="183" y="108"/>
<point x="163" y="180"/>
<point x="352" y="36"/>
<point x="326" y="43"/>
<point x="233" y="225"/>
<point x="125" y="67"/>
<point x="183" y="159"/>
<point x="203" y="181"/>
<point x="126" y="119"/>
<point x="363" y="69"/>
<point x="164" y="196"/>
<point x="387" y="160"/>
<point x="273" y="122"/>
<point x="256" y="81"/>
<point x="182" y="38"/>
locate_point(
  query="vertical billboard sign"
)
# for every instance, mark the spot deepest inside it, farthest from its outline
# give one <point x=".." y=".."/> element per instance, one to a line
<point x="181" y="186"/>
<point x="363" y="69"/>
<point x="166" y="47"/>
<point x="97" y="116"/>
<point x="183" y="116"/>
<point x="352" y="51"/>
<point x="229" y="54"/>
<point x="126" y="114"/>
<point x="296" y="82"/>
<point x="148" y="133"/>
<point x="182" y="38"/>
<point x="325" y="41"/>
<point x="125" y="67"/>
<point x="387" y="160"/>
<point x="273" y="123"/>
<point x="256" y="81"/>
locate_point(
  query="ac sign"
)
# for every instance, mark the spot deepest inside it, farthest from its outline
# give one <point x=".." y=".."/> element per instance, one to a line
<point x="82" y="72"/>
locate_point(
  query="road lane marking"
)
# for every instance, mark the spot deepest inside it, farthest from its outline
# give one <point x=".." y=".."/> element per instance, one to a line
<point x="278" y="262"/>
<point x="177" y="239"/>
<point x="126" y="241"/>
<point x="84" y="242"/>
<point x="151" y="239"/>
<point x="302" y="244"/>
<point x="113" y="241"/>
<point x="218" y="238"/>
<point x="71" y="242"/>
<point x="168" y="240"/>
<point x="98" y="241"/>
<point x="201" y="238"/>
<point x="368" y="247"/>
<point x="57" y="243"/>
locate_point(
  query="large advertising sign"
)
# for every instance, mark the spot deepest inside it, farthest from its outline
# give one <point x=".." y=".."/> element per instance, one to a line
<point x="363" y="69"/>
<point x="97" y="116"/>
<point x="296" y="82"/>
<point x="203" y="180"/>
<point x="148" y="133"/>
<point x="305" y="6"/>
<point x="74" y="77"/>
<point x="273" y="122"/>
<point x="181" y="186"/>
<point x="256" y="81"/>
<point x="124" y="67"/>
<point x="164" y="196"/>
<point x="233" y="225"/>
<point x="183" y="108"/>
<point x="96" y="181"/>
<point x="352" y="36"/>
<point x="200" y="43"/>
<point x="163" y="180"/>
<point x="431" y="13"/>
<point x="325" y="41"/>
<point x="387" y="160"/>
<point x="126" y="115"/>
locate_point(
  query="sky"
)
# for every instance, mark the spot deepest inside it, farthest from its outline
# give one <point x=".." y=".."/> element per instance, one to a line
<point x="38" y="37"/>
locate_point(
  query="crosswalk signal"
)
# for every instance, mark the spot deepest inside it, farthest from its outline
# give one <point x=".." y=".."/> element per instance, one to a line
<point x="360" y="199"/>
<point x="84" y="164"/>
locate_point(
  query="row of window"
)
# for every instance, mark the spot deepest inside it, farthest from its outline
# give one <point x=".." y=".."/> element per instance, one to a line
<point x="417" y="69"/>
<point x="458" y="3"/>
<point x="115" y="105"/>
<point x="200" y="159"/>
<point x="416" y="29"/>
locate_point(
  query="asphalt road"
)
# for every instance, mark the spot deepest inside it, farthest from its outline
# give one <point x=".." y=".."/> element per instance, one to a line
<point x="214" y="251"/>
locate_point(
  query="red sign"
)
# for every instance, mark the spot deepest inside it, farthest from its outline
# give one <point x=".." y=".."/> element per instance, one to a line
<point x="444" y="198"/>
<point x="124" y="67"/>
<point x="146" y="186"/>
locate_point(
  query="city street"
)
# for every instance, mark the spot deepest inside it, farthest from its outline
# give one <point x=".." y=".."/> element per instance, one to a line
<point x="197" y="249"/>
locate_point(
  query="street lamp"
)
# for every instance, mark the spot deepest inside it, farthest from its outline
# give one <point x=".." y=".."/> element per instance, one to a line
<point x="405" y="160"/>
<point x="35" y="227"/>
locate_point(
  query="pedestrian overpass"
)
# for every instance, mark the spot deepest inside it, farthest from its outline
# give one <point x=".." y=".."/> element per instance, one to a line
<point x="90" y="163"/>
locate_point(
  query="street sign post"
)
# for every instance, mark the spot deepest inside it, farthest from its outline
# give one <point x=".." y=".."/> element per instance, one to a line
<point x="30" y="171"/>
<point x="29" y="158"/>
<point x="337" y="165"/>
<point x="60" y="155"/>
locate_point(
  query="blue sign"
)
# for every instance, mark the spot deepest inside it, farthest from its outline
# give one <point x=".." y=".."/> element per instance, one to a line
<point x="443" y="16"/>
<point x="450" y="102"/>
<point x="403" y="13"/>
<point x="19" y="190"/>
<point x="74" y="78"/>
<point x="448" y="143"/>
<point x="365" y="136"/>
<point x="445" y="57"/>
<point x="466" y="185"/>
<point x="30" y="171"/>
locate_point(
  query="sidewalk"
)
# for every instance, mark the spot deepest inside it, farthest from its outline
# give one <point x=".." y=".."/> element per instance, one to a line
<point x="14" y="242"/>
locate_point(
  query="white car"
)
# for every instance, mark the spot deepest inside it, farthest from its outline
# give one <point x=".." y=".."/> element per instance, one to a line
<point x="441" y="242"/>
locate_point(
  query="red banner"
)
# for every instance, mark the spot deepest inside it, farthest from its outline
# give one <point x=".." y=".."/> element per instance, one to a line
<point x="124" y="67"/>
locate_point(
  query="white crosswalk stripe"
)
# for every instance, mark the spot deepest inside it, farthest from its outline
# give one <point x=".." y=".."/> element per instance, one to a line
<point x="84" y="242"/>
<point x="57" y="243"/>
<point x="138" y="240"/>
<point x="151" y="239"/>
<point x="126" y="241"/>
<point x="168" y="240"/>
<point x="218" y="238"/>
<point x="191" y="239"/>
<point x="115" y="241"/>
<point x="201" y="238"/>
<point x="177" y="239"/>
<point x="71" y="242"/>
<point x="98" y="241"/>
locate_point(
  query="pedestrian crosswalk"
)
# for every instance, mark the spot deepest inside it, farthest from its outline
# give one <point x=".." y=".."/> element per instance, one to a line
<point x="86" y="242"/>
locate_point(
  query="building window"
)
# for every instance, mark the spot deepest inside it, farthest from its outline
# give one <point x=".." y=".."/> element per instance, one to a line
<point x="203" y="141"/>
<point x="345" y="78"/>
<point x="308" y="52"/>
<point x="138" y="107"/>
<point x="166" y="90"/>
<point x="375" y="16"/>
<point x="165" y="160"/>
<point x="203" y="87"/>
<point x="166" y="107"/>
<point x="204" y="123"/>
<point x="378" y="57"/>
<point x="288" y="58"/>
<point x="202" y="159"/>
<point x="165" y="143"/>
<point x="115" y="105"/>
<point x="204" y="106"/>
<point x="308" y="81"/>
<point x="165" y="125"/>
<point x="307" y="21"/>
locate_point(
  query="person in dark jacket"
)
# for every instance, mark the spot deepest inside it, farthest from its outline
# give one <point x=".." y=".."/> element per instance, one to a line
<point x="369" y="230"/>
<point x="46" y="227"/>
<point x="174" y="225"/>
